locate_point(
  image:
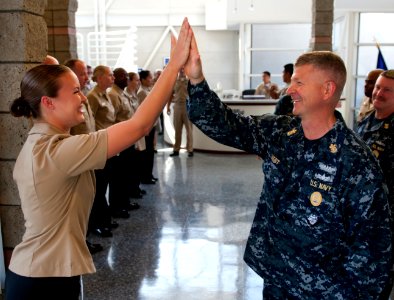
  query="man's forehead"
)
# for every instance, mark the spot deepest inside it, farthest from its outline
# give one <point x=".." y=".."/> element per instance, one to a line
<point x="385" y="81"/>
<point x="299" y="71"/>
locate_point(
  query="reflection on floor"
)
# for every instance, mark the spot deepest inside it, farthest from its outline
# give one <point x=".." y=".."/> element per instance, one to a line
<point x="187" y="239"/>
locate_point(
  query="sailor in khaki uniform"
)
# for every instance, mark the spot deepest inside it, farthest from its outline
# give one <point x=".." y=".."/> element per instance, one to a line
<point x="144" y="90"/>
<point x="104" y="116"/>
<point x="54" y="175"/>
<point x="123" y="181"/>
<point x="88" y="125"/>
<point x="138" y="158"/>
<point x="180" y="115"/>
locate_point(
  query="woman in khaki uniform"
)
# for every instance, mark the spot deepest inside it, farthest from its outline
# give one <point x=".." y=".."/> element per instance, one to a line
<point x="104" y="114"/>
<point x="55" y="178"/>
<point x="146" y="80"/>
<point x="140" y="147"/>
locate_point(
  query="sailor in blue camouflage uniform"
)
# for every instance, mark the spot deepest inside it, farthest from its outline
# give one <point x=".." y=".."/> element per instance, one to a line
<point x="321" y="228"/>
<point x="377" y="130"/>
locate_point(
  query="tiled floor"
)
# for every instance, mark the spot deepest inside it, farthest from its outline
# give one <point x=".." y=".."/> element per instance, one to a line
<point x="187" y="240"/>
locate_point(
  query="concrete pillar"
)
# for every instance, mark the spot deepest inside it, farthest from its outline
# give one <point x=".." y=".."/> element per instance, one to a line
<point x="60" y="18"/>
<point x="322" y="19"/>
<point x="23" y="39"/>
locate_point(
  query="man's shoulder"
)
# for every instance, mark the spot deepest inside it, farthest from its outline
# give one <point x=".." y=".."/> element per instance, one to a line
<point x="260" y="86"/>
<point x="288" y="127"/>
<point x="356" y="150"/>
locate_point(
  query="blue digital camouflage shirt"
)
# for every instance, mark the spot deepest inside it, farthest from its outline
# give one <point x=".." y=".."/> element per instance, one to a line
<point x="379" y="136"/>
<point x="321" y="228"/>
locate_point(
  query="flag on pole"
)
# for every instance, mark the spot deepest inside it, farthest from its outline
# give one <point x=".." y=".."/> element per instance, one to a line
<point x="381" y="64"/>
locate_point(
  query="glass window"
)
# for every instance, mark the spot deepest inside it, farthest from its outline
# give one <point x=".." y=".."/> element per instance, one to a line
<point x="373" y="28"/>
<point x="273" y="46"/>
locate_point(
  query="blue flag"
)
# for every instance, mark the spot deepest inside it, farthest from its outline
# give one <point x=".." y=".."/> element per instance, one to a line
<point x="381" y="64"/>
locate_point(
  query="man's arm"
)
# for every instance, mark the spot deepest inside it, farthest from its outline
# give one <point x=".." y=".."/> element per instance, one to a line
<point x="367" y="218"/>
<point x="219" y="122"/>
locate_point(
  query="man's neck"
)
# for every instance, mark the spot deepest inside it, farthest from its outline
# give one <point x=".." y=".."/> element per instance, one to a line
<point x="317" y="126"/>
<point x="120" y="86"/>
<point x="381" y="114"/>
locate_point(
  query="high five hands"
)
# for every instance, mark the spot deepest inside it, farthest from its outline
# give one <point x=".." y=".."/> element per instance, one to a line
<point x="185" y="52"/>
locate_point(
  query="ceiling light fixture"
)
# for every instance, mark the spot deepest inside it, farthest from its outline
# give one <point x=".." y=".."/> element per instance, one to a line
<point x="235" y="6"/>
<point x="251" y="7"/>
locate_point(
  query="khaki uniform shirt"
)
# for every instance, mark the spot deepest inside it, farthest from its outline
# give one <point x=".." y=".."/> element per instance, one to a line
<point x="143" y="92"/>
<point x="121" y="104"/>
<point x="133" y="100"/>
<point x="102" y="108"/>
<point x="264" y="89"/>
<point x="180" y="91"/>
<point x="55" y="179"/>
<point x="365" y="109"/>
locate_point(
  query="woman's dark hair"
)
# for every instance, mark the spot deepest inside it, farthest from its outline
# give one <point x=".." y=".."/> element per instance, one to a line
<point x="39" y="81"/>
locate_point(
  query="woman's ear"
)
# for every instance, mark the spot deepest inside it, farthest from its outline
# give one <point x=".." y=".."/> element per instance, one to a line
<point x="47" y="102"/>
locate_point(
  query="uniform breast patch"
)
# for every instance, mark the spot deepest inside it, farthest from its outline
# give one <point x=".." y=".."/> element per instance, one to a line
<point x="316" y="198"/>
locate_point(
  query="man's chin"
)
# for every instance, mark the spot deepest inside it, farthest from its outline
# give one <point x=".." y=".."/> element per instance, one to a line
<point x="296" y="111"/>
<point x="80" y="121"/>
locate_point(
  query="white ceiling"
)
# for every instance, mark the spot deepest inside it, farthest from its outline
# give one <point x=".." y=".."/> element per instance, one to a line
<point x="171" y="12"/>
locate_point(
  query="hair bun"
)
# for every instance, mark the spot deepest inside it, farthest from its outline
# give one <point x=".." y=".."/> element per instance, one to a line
<point x="20" y="108"/>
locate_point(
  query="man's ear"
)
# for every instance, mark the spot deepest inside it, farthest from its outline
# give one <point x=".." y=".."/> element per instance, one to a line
<point x="47" y="102"/>
<point x="329" y="89"/>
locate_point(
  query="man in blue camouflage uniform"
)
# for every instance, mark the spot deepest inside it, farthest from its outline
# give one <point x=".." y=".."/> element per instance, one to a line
<point x="321" y="228"/>
<point x="377" y="130"/>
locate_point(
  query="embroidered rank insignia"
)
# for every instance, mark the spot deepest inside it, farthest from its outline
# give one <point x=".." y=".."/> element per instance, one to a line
<point x="312" y="219"/>
<point x="333" y="148"/>
<point x="375" y="153"/>
<point x="274" y="159"/>
<point x="316" y="198"/>
<point x="291" y="132"/>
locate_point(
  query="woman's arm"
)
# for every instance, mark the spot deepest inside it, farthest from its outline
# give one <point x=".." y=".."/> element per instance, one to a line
<point x="124" y="134"/>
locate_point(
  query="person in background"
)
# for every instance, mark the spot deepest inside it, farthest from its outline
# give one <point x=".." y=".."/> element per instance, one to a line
<point x="50" y="60"/>
<point x="88" y="125"/>
<point x="377" y="130"/>
<point x="266" y="86"/>
<point x="144" y="90"/>
<point x="123" y="182"/>
<point x="180" y="115"/>
<point x="54" y="175"/>
<point x="138" y="165"/>
<point x="284" y="106"/>
<point x="90" y="84"/>
<point x="100" y="222"/>
<point x="366" y="105"/>
<point x="287" y="72"/>
<point x="322" y="225"/>
<point x="159" y="124"/>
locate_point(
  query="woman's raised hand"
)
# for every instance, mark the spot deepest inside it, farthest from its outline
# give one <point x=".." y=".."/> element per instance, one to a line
<point x="180" y="48"/>
<point x="184" y="53"/>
